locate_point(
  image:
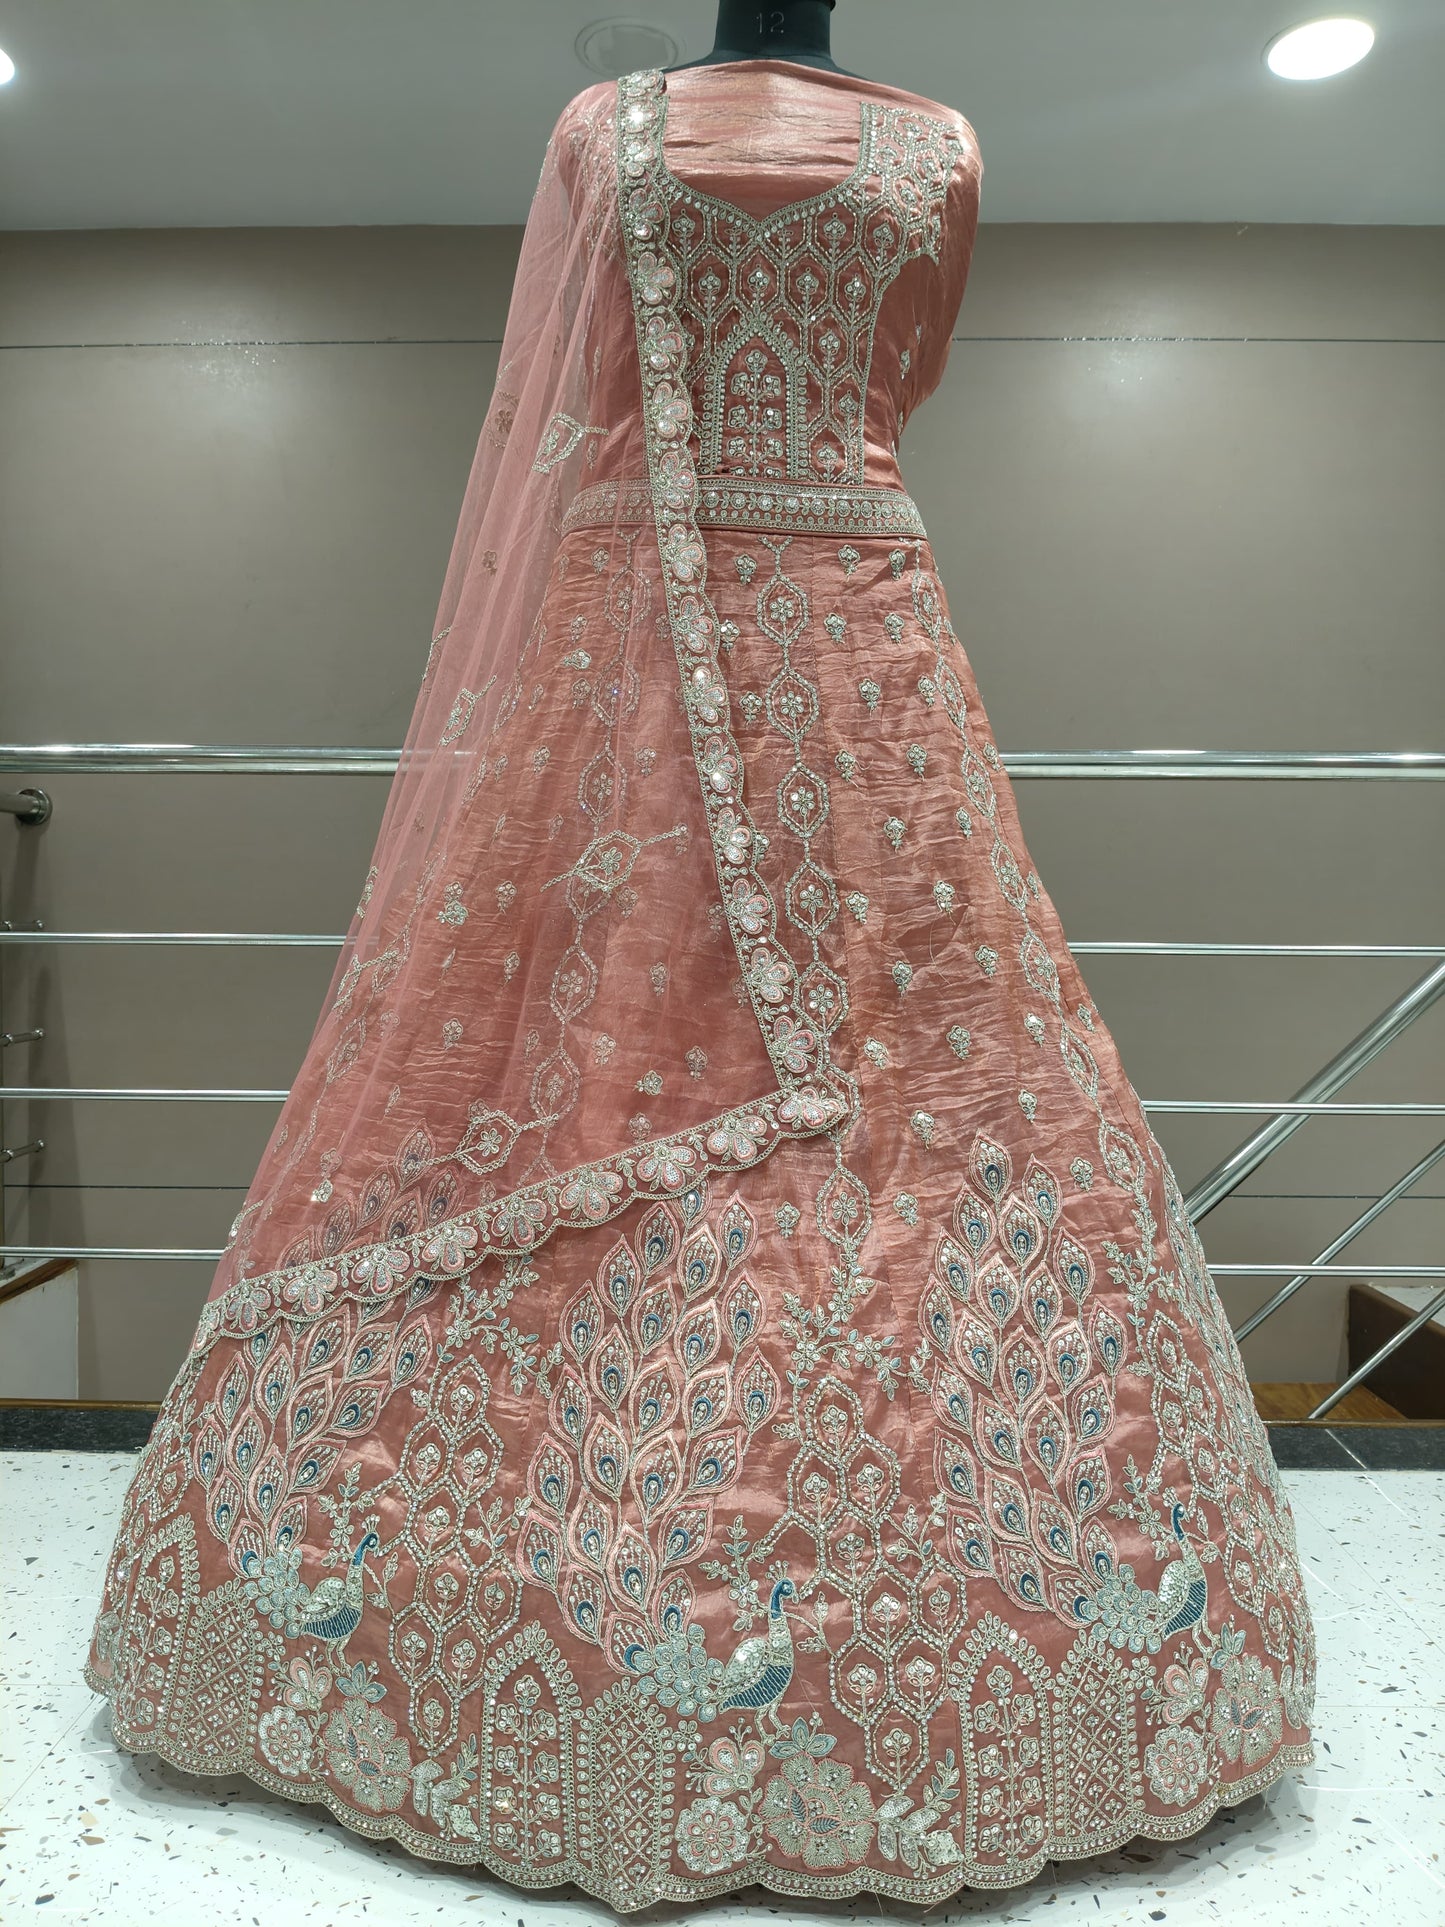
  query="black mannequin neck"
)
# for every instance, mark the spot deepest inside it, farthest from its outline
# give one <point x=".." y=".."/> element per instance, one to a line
<point x="799" y="31"/>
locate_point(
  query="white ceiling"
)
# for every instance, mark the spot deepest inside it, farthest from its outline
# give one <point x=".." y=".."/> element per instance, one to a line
<point x="298" y="113"/>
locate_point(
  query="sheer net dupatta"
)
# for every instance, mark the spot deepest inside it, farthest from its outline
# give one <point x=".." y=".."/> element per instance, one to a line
<point x="563" y="987"/>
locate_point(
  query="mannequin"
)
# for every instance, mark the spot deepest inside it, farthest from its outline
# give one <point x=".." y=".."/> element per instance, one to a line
<point x="794" y="30"/>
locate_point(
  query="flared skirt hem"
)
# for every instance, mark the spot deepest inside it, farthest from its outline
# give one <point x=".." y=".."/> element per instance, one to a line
<point x="757" y="1870"/>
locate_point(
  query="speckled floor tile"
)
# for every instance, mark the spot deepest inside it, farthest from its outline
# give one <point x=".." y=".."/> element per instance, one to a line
<point x="91" y="1833"/>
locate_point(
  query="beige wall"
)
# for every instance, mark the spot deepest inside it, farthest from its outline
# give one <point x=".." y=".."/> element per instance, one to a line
<point x="1185" y="486"/>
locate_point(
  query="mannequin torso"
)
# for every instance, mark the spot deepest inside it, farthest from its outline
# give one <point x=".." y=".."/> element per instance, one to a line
<point x="798" y="31"/>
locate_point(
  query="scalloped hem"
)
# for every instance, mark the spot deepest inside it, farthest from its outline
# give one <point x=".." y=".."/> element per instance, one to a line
<point x="756" y="1872"/>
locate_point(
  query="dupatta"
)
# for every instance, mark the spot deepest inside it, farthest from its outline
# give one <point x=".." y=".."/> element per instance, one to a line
<point x="526" y="954"/>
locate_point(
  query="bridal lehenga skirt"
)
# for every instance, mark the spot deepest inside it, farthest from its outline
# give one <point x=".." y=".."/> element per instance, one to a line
<point x="889" y="1515"/>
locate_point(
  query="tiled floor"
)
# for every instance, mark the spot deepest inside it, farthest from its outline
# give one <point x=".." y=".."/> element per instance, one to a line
<point x="90" y="1833"/>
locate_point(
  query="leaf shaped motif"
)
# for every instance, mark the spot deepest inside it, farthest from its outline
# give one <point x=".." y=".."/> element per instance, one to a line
<point x="225" y="1508"/>
<point x="708" y="1397"/>
<point x="590" y="1534"/>
<point x="1089" y="1485"/>
<point x="289" y="1524"/>
<point x="992" y="1166"/>
<point x="956" y="1469"/>
<point x="206" y="1456"/>
<point x="701" y="1263"/>
<point x="410" y="1355"/>
<point x="1023" y="1232"/>
<point x="996" y="1290"/>
<point x="315" y="1468"/>
<point x="336" y="1230"/>
<point x="1091" y="1410"/>
<point x="973" y="1545"/>
<point x="1046" y="1437"/>
<point x="583" y="1603"/>
<point x="618" y="1276"/>
<point x="954" y="1266"/>
<point x="1044" y="1300"/>
<point x="1007" y="1507"/>
<point x="1070" y="1599"/>
<point x="606" y="1457"/>
<point x="541" y="1556"/>
<point x="1024" y="1370"/>
<point x="582" y="1323"/>
<point x="1020" y="1572"/>
<point x="273" y="1385"/>
<point x="1108" y="1338"/>
<point x="376" y="1195"/>
<point x="1080" y="1061"/>
<point x="698" y="1338"/>
<point x="996" y="1435"/>
<point x="657" y="1477"/>
<point x="1075" y="1268"/>
<point x="686" y="1535"/>
<point x="657" y="1237"/>
<point x="414" y="1156"/>
<point x="713" y="1463"/>
<point x="742" y="1312"/>
<point x="1053" y="1531"/>
<point x="633" y="1568"/>
<point x="1121" y="1156"/>
<point x="233" y="1393"/>
<point x="976" y="1350"/>
<point x="955" y="1398"/>
<point x="974" y="1221"/>
<point x="938" y="1318"/>
<point x="248" y="1545"/>
<point x="572" y="1407"/>
<point x="737" y="1228"/>
<point x="1068" y="1354"/>
<point x="653" y="1318"/>
<point x="610" y="1369"/>
<point x="267" y="1486"/>
<point x="757" y="1393"/>
<point x="550" y="1478"/>
<point x="324" y="1341"/>
<point x="243" y="1447"/>
<point x="369" y="1352"/>
<point x="675" y="1602"/>
<point x="1041" y="1188"/>
<point x="654" y="1400"/>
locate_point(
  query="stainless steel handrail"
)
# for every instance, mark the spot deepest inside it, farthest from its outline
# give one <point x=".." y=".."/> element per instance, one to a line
<point x="1405" y="1273"/>
<point x="1147" y="764"/>
<point x="1200" y="1106"/>
<point x="1231" y="1172"/>
<point x="1104" y="947"/>
<point x="1362" y="1372"/>
<point x="224" y="759"/>
<point x="1121" y="947"/>
<point x="1346" y="1237"/>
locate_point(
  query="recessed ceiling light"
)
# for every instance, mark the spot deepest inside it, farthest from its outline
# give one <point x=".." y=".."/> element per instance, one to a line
<point x="7" y="68"/>
<point x="615" y="47"/>
<point x="1319" y="49"/>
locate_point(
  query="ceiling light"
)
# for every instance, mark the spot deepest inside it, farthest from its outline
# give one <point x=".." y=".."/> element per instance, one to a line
<point x="616" y="47"/>
<point x="7" y="68"/>
<point x="1319" y="49"/>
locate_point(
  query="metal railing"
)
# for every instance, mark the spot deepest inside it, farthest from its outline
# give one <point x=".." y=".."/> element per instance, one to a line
<point x="32" y="806"/>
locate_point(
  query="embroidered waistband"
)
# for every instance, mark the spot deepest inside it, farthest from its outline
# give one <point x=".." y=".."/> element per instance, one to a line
<point x="750" y="502"/>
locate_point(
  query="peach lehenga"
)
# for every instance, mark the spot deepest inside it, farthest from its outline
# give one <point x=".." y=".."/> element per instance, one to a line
<point x="714" y="1381"/>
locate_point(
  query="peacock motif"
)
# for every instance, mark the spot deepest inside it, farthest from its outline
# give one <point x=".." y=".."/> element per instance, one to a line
<point x="1128" y="1614"/>
<point x="1021" y="1368"/>
<point x="330" y="1611"/>
<point x="760" y="1670"/>
<point x="660" y="1388"/>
